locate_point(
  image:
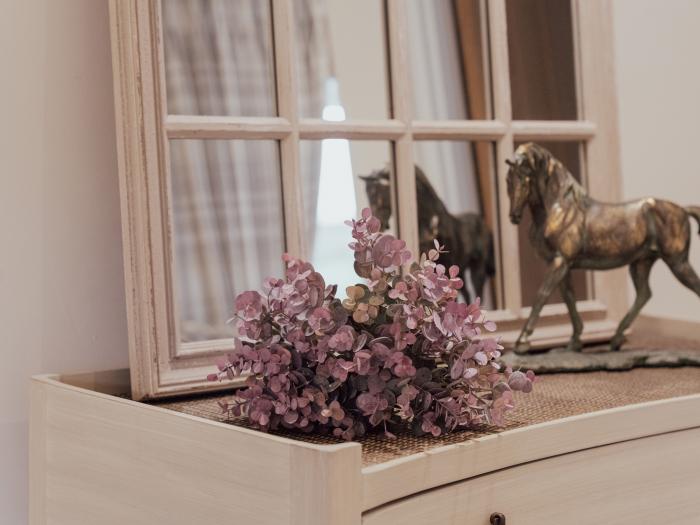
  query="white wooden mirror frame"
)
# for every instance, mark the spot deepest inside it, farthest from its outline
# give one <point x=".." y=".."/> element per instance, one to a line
<point x="160" y="365"/>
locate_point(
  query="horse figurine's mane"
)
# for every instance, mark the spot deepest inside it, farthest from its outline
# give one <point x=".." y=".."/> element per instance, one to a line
<point x="547" y="167"/>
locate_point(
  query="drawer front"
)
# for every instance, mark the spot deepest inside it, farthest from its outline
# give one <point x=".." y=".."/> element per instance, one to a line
<point x="655" y="481"/>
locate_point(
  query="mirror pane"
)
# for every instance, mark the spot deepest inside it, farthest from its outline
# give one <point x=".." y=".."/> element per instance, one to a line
<point x="449" y="59"/>
<point x="541" y="58"/>
<point x="341" y="58"/>
<point x="532" y="266"/>
<point x="340" y="178"/>
<point x="455" y="183"/>
<point x="219" y="57"/>
<point x="227" y="228"/>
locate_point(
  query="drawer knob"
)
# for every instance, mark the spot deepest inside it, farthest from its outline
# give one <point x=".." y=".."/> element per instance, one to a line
<point x="497" y="519"/>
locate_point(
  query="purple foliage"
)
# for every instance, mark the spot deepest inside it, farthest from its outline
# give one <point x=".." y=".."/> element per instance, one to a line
<point x="398" y="350"/>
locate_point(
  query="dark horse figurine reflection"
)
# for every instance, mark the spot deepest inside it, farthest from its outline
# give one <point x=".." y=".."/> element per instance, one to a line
<point x="467" y="238"/>
<point x="572" y="230"/>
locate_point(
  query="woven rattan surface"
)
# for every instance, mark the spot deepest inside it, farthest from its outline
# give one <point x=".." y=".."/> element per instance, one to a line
<point x="555" y="396"/>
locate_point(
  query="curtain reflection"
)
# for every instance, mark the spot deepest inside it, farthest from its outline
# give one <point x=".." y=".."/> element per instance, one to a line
<point x="450" y="81"/>
<point x="226" y="195"/>
<point x="218" y="57"/>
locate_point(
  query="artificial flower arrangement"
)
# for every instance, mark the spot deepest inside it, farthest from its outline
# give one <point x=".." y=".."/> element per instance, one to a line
<point x="398" y="351"/>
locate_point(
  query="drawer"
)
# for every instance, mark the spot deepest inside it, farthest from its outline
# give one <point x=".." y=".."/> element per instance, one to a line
<point x="654" y="480"/>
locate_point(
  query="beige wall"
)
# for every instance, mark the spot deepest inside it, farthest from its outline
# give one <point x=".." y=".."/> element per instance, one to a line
<point x="658" y="77"/>
<point x="62" y="303"/>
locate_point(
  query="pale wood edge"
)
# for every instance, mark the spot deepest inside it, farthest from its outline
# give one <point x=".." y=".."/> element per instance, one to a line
<point x="56" y="381"/>
<point x="326" y="488"/>
<point x="640" y="482"/>
<point x="133" y="196"/>
<point x="324" y="480"/>
<point x="666" y="327"/>
<point x="465" y="460"/>
<point x="37" y="455"/>
<point x="506" y="249"/>
<point x="599" y="105"/>
<point x="403" y="174"/>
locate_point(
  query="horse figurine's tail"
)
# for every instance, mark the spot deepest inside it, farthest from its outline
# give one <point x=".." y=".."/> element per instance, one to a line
<point x="694" y="212"/>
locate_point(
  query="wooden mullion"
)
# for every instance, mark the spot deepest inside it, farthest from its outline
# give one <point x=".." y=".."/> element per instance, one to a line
<point x="553" y="130"/>
<point x="402" y="106"/>
<point x="599" y="105"/>
<point x="578" y="73"/>
<point x="169" y="331"/>
<point x="226" y="128"/>
<point x="287" y="102"/>
<point x="317" y="129"/>
<point x="507" y="250"/>
<point x="458" y="130"/>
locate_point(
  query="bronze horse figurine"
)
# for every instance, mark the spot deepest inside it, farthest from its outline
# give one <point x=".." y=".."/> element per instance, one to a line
<point x="572" y="230"/>
<point x="467" y="238"/>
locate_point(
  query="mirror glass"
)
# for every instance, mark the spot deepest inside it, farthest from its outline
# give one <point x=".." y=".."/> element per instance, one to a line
<point x="341" y="59"/>
<point x="340" y="178"/>
<point x="541" y="59"/>
<point x="456" y="204"/>
<point x="449" y="59"/>
<point x="532" y="266"/>
<point x="227" y="228"/>
<point x="219" y="57"/>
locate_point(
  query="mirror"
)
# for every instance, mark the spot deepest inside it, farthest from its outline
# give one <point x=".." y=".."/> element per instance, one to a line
<point x="340" y="178"/>
<point x="227" y="228"/>
<point x="219" y="57"/>
<point x="341" y="58"/>
<point x="541" y="59"/>
<point x="455" y="188"/>
<point x="449" y="58"/>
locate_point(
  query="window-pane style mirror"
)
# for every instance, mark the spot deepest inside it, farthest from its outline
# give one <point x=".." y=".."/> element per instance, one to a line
<point x="247" y="128"/>
<point x="219" y="58"/>
<point x="449" y="55"/>
<point x="341" y="58"/>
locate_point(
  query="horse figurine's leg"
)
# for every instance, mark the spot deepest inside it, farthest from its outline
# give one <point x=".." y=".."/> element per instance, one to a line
<point x="567" y="292"/>
<point x="685" y="274"/>
<point x="639" y="270"/>
<point x="557" y="271"/>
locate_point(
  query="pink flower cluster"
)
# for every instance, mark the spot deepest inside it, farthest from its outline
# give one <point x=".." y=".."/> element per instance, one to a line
<point x="399" y="350"/>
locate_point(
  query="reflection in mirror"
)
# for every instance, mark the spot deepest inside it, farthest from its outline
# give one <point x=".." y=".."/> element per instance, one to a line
<point x="341" y="57"/>
<point x="531" y="263"/>
<point x="219" y="57"/>
<point x="456" y="205"/>
<point x="227" y="228"/>
<point x="339" y="180"/>
<point x="541" y="58"/>
<point x="449" y="59"/>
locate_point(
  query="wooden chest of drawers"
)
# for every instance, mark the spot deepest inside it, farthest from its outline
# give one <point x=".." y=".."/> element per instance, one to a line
<point x="97" y="458"/>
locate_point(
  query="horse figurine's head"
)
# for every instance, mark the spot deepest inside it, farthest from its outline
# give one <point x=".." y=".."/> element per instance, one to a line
<point x="378" y="185"/>
<point x="529" y="161"/>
